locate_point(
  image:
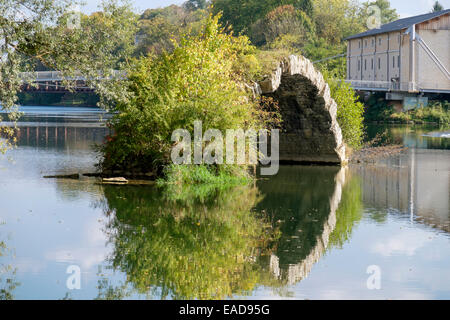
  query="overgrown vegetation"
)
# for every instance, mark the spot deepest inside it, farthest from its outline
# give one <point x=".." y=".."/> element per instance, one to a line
<point x="313" y="28"/>
<point x="198" y="80"/>
<point x="378" y="109"/>
<point x="437" y="112"/>
<point x="350" y="111"/>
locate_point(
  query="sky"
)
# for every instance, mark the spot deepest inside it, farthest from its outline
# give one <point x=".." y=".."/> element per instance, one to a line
<point x="405" y="8"/>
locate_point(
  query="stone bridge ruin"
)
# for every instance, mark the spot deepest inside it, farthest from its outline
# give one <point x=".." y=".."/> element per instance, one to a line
<point x="310" y="132"/>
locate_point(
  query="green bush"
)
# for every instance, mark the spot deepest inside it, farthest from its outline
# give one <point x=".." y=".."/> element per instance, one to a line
<point x="377" y="109"/>
<point x="350" y="112"/>
<point x="198" y="80"/>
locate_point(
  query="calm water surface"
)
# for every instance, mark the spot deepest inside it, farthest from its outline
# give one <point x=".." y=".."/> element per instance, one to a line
<point x="309" y="232"/>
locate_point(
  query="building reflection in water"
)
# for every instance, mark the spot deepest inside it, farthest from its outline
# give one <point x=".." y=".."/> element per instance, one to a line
<point x="416" y="185"/>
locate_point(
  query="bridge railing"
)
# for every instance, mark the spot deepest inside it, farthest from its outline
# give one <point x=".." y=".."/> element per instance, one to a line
<point x="421" y="86"/>
<point x="366" y="84"/>
<point x="57" y="76"/>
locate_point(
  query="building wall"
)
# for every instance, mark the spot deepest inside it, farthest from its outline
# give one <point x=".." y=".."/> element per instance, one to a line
<point x="428" y="74"/>
<point x="386" y="57"/>
<point x="405" y="63"/>
<point x="393" y="55"/>
<point x="368" y="58"/>
<point x="440" y="23"/>
<point x="371" y="58"/>
<point x="381" y="58"/>
<point x="354" y="50"/>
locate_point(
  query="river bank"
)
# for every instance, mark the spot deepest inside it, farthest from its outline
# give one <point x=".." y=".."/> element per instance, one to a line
<point x="380" y="111"/>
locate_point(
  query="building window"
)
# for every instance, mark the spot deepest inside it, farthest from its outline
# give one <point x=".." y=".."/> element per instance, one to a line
<point x="359" y="44"/>
<point x="359" y="65"/>
<point x="398" y="62"/>
<point x="379" y="41"/>
<point x="379" y="63"/>
<point x="365" y="64"/>
<point x="393" y="62"/>
<point x="365" y="43"/>
<point x="373" y="42"/>
<point x="372" y="64"/>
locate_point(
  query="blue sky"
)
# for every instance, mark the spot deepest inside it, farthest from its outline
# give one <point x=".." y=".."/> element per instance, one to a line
<point x="404" y="7"/>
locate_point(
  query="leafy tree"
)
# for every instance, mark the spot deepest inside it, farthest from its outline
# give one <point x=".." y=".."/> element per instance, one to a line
<point x="437" y="7"/>
<point x="47" y="32"/>
<point x="198" y="80"/>
<point x="241" y="14"/>
<point x="158" y="28"/>
<point x="350" y="112"/>
<point x="320" y="50"/>
<point x="336" y="19"/>
<point x="281" y="22"/>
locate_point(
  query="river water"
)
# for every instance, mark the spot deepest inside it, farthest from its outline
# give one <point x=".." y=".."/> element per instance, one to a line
<point x="365" y="232"/>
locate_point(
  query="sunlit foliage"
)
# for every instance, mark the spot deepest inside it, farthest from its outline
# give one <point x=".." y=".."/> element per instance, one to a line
<point x="198" y="80"/>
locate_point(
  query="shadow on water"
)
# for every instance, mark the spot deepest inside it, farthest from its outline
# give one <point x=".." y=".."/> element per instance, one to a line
<point x="228" y="243"/>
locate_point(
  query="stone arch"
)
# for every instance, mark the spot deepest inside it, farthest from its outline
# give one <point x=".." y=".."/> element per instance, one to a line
<point x="310" y="132"/>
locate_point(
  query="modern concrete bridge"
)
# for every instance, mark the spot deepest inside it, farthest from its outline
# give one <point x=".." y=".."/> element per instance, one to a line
<point x="52" y="81"/>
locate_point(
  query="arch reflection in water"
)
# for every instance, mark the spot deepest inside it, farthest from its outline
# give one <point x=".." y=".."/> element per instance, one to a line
<point x="304" y="201"/>
<point x="230" y="242"/>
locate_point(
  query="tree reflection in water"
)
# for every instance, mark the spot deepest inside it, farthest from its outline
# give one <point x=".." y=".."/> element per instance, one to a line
<point x="8" y="281"/>
<point x="196" y="249"/>
<point x="219" y="243"/>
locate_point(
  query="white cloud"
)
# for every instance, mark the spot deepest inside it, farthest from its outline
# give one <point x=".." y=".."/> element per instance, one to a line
<point x="407" y="242"/>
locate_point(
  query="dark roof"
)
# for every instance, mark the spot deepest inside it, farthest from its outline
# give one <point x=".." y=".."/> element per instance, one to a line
<point x="400" y="24"/>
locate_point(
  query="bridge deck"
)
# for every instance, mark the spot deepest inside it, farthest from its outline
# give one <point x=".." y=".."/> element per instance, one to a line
<point x="386" y="86"/>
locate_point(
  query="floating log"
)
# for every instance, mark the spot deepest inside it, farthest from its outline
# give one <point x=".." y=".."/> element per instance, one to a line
<point x="117" y="180"/>
<point x="64" y="176"/>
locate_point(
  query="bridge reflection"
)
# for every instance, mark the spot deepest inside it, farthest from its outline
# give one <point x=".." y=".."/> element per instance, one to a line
<point x="60" y="136"/>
